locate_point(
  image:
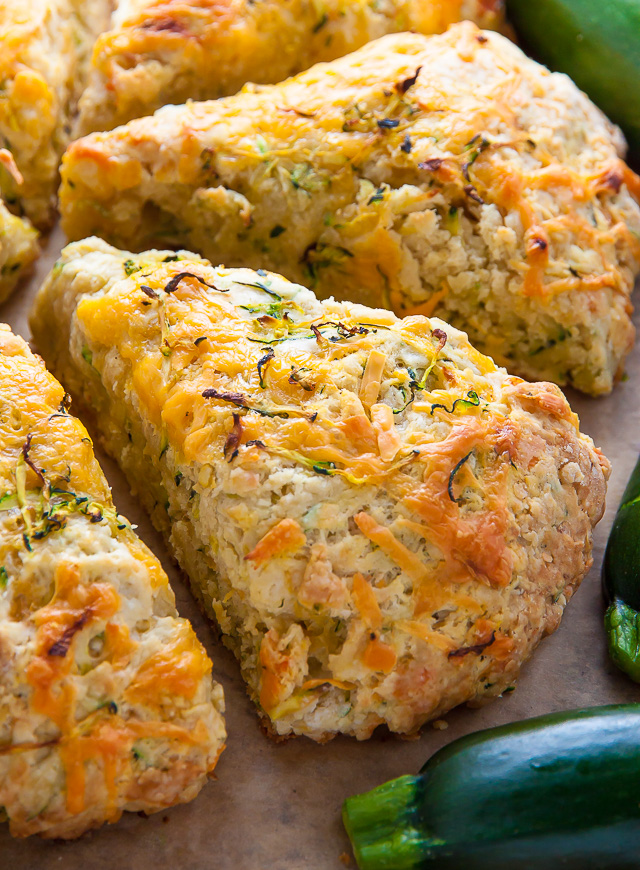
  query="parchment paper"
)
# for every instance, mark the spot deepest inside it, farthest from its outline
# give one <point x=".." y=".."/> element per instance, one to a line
<point x="277" y="806"/>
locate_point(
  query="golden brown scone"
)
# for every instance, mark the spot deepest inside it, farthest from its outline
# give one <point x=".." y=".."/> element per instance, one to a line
<point x="168" y="51"/>
<point x="446" y="174"/>
<point x="106" y="697"/>
<point x="383" y="523"/>
<point x="44" y="51"/>
<point x="18" y="250"/>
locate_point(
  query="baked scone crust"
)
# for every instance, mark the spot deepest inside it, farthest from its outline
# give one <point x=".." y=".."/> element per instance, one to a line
<point x="446" y="175"/>
<point x="106" y="696"/>
<point x="45" y="47"/>
<point x="383" y="523"/>
<point x="162" y="51"/>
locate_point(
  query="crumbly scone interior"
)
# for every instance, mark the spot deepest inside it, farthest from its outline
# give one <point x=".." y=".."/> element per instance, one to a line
<point x="383" y="523"/>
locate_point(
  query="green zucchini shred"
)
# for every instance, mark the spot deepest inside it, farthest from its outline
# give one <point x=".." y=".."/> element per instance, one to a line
<point x="452" y="476"/>
<point x="130" y="266"/>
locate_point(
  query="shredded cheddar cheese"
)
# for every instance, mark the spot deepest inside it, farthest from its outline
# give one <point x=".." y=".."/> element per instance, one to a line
<point x="99" y="659"/>
<point x="379" y="656"/>
<point x="283" y="539"/>
<point x="397" y="552"/>
<point x="362" y="501"/>
<point x="389" y="442"/>
<point x="445" y="175"/>
<point x="370" y="384"/>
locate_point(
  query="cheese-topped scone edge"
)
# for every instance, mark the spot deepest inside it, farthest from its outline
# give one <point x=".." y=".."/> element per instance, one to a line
<point x="446" y="175"/>
<point x="106" y="696"/>
<point x="157" y="51"/>
<point x="383" y="523"/>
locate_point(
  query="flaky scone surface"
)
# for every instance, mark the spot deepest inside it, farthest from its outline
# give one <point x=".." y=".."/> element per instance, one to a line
<point x="106" y="697"/>
<point x="383" y="523"/>
<point x="446" y="174"/>
<point x="162" y="51"/>
<point x="44" y="51"/>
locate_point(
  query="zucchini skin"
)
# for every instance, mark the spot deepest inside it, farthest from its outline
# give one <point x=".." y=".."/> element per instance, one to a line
<point x="596" y="42"/>
<point x="557" y="791"/>
<point x="621" y="581"/>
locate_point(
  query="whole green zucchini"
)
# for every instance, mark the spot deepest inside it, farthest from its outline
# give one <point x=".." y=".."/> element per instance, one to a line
<point x="597" y="42"/>
<point x="621" y="581"/>
<point x="559" y="792"/>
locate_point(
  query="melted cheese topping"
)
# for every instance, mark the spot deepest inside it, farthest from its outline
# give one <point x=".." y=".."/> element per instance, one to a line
<point x="160" y="51"/>
<point x="203" y="340"/>
<point x="365" y="495"/>
<point x="87" y="678"/>
<point x="446" y="173"/>
<point x="283" y="539"/>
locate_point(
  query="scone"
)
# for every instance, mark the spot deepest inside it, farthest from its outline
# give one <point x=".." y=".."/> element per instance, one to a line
<point x="18" y="250"/>
<point x="383" y="523"/>
<point x="162" y="51"/>
<point x="44" y="52"/>
<point x="106" y="697"/>
<point x="446" y="174"/>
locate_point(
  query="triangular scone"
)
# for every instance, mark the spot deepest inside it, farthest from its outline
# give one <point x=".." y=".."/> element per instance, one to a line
<point x="44" y="51"/>
<point x="158" y="51"/>
<point x="106" y="697"/>
<point x="428" y="174"/>
<point x="383" y="523"/>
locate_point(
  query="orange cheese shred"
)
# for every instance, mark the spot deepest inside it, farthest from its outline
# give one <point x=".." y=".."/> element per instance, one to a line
<point x="389" y="442"/>
<point x="285" y="538"/>
<point x="120" y="644"/>
<point x="427" y="308"/>
<point x="275" y="669"/>
<point x="109" y="743"/>
<point x="379" y="656"/>
<point x="370" y="384"/>
<point x="325" y="681"/>
<point x="7" y="160"/>
<point x="270" y="690"/>
<point x="418" y="629"/>
<point x="366" y="602"/>
<point x="411" y="564"/>
<point x="502" y="647"/>
<point x="537" y="247"/>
